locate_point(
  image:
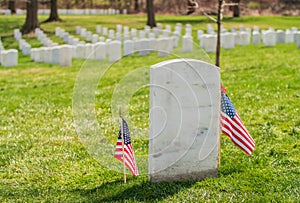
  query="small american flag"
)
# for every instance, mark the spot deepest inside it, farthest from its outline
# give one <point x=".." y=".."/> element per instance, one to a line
<point x="128" y="151"/>
<point x="233" y="127"/>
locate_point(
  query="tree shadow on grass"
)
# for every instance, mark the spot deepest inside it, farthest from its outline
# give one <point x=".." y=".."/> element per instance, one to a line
<point x="143" y="191"/>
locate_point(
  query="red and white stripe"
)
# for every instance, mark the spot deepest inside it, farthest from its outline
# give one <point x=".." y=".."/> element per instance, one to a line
<point x="128" y="155"/>
<point x="234" y="128"/>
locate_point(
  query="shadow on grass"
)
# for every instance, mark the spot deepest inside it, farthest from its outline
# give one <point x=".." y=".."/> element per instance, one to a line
<point x="143" y="191"/>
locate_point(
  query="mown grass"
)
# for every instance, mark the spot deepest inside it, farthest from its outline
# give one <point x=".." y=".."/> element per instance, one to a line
<point x="43" y="159"/>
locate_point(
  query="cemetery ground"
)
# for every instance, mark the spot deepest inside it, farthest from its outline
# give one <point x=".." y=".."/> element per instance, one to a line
<point x="43" y="160"/>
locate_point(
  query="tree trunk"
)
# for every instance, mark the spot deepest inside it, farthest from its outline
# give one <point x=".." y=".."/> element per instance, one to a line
<point x="236" y="9"/>
<point x="12" y="6"/>
<point x="53" y="12"/>
<point x="136" y="6"/>
<point x="31" y="17"/>
<point x="150" y="14"/>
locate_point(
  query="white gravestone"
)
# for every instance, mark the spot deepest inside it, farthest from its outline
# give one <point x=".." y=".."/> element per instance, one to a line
<point x="289" y="36"/>
<point x="9" y="58"/>
<point x="114" y="51"/>
<point x="128" y="48"/>
<point x="210" y="43"/>
<point x="280" y="35"/>
<point x="269" y="38"/>
<point x="89" y="51"/>
<point x="144" y="47"/>
<point x="89" y="36"/>
<point x="162" y="47"/>
<point x="184" y="120"/>
<point x="95" y="38"/>
<point x="187" y="43"/>
<point x="228" y="40"/>
<point x="100" y="51"/>
<point x="65" y="56"/>
<point x="255" y="37"/>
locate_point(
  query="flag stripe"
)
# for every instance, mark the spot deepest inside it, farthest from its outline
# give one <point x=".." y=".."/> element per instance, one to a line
<point x="236" y="137"/>
<point x="129" y="159"/>
<point x="236" y="134"/>
<point x="237" y="129"/>
<point x="235" y="141"/>
<point x="232" y="126"/>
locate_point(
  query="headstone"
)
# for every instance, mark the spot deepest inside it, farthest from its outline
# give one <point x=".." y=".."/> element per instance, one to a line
<point x="269" y="38"/>
<point x="33" y="54"/>
<point x="98" y="29"/>
<point x="280" y="35"/>
<point x="9" y="58"/>
<point x="289" y="36"/>
<point x="128" y="47"/>
<point x="65" y="56"/>
<point x="48" y="53"/>
<point x="199" y="34"/>
<point x="144" y="47"/>
<point x="105" y="31"/>
<point x="95" y="38"/>
<point x="89" y="52"/>
<point x="55" y="55"/>
<point x="188" y="30"/>
<point x="184" y="120"/>
<point x="203" y="40"/>
<point x="243" y="38"/>
<point x="89" y="36"/>
<point x="114" y="51"/>
<point x="119" y="28"/>
<point x="111" y="34"/>
<point x="83" y="32"/>
<point x="210" y="43"/>
<point x="80" y="51"/>
<point x="255" y="37"/>
<point x="162" y="47"/>
<point x="210" y="29"/>
<point x="228" y="40"/>
<point x="187" y="44"/>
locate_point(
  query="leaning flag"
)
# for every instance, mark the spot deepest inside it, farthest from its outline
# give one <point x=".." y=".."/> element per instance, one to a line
<point x="233" y="126"/>
<point x="128" y="151"/>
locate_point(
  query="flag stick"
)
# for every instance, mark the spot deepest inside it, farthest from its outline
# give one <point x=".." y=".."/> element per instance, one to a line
<point x="122" y="135"/>
<point x="219" y="22"/>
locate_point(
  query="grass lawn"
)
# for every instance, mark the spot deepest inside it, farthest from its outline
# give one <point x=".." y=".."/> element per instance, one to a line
<point x="43" y="157"/>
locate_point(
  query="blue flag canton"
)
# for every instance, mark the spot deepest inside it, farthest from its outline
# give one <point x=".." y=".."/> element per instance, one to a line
<point x="125" y="132"/>
<point x="227" y="106"/>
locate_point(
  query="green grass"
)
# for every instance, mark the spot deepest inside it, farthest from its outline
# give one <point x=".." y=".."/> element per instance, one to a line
<point x="42" y="158"/>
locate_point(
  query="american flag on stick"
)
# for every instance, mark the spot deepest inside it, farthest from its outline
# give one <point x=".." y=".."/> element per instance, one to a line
<point x="233" y="127"/>
<point x="124" y="153"/>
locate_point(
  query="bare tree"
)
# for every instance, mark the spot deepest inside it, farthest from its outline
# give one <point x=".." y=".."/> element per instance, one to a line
<point x="12" y="6"/>
<point x="31" y="21"/>
<point x="150" y="14"/>
<point x="53" y="12"/>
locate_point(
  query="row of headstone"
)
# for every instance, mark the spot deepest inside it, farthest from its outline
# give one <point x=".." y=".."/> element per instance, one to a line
<point x="23" y="45"/>
<point x="71" y="11"/>
<point x="243" y="37"/>
<point x="61" y="55"/>
<point x="42" y="37"/>
<point x="271" y="37"/>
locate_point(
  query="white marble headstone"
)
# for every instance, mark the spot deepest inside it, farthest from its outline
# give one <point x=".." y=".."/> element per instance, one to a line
<point x="184" y="120"/>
